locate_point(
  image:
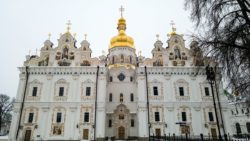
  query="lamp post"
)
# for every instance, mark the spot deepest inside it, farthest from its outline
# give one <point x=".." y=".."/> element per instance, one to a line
<point x="211" y="79"/>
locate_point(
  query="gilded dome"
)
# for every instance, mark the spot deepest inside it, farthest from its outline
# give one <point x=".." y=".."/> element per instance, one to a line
<point x="121" y="40"/>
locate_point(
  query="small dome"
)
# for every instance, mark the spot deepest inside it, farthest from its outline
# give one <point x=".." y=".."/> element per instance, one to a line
<point x="122" y="40"/>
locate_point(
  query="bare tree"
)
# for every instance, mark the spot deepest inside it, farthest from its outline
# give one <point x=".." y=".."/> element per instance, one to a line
<point x="224" y="35"/>
<point x="6" y="105"/>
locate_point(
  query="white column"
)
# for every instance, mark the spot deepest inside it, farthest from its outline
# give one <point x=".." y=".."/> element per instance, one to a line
<point x="101" y="112"/>
<point x="142" y="112"/>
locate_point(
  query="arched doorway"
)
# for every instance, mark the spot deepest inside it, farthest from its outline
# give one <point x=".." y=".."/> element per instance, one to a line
<point x="238" y="129"/>
<point x="27" y="135"/>
<point x="248" y="127"/>
<point x="121" y="132"/>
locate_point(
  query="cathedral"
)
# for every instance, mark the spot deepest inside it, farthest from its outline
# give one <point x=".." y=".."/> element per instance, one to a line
<point x="66" y="94"/>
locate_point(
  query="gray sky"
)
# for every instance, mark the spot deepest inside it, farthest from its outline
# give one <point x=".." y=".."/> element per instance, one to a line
<point x="25" y="25"/>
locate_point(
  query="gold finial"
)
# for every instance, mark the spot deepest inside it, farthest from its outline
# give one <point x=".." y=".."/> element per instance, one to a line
<point x="68" y="25"/>
<point x="157" y="37"/>
<point x="121" y="10"/>
<point x="173" y="27"/>
<point x="49" y="35"/>
<point x="85" y="36"/>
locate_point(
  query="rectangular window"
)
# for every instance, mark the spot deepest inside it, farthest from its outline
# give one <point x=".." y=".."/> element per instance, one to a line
<point x="88" y="89"/>
<point x="131" y="79"/>
<point x="59" y="117"/>
<point x="110" y="78"/>
<point x="210" y="115"/>
<point x="110" y="97"/>
<point x="157" y="116"/>
<point x="34" y="92"/>
<point x="61" y="91"/>
<point x="110" y="123"/>
<point x="206" y="91"/>
<point x="86" y="117"/>
<point x="155" y="90"/>
<point x="131" y="97"/>
<point x="183" y="116"/>
<point x="132" y="123"/>
<point x="31" y="115"/>
<point x="181" y="91"/>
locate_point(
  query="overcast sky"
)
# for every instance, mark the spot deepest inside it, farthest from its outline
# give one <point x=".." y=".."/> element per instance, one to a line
<point x="25" y="25"/>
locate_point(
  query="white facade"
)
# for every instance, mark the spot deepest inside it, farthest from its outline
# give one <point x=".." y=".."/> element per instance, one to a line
<point x="65" y="94"/>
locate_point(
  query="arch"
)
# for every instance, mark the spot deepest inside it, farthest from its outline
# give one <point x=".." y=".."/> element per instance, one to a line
<point x="65" y="52"/>
<point x="85" y="63"/>
<point x="61" y="81"/>
<point x="113" y="60"/>
<point x="238" y="128"/>
<point x="177" y="53"/>
<point x="130" y="59"/>
<point x="248" y="127"/>
<point x="122" y="58"/>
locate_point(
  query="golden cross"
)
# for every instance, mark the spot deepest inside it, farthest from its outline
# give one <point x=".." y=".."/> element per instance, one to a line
<point x="85" y="36"/>
<point x="49" y="35"/>
<point x="68" y="25"/>
<point x="121" y="10"/>
<point x="173" y="25"/>
<point x="157" y="36"/>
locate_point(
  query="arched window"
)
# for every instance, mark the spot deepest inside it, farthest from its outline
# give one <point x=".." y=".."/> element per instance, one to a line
<point x="238" y="129"/>
<point x="130" y="59"/>
<point x="131" y="97"/>
<point x="121" y="97"/>
<point x="248" y="127"/>
<point x="177" y="53"/>
<point x="110" y="97"/>
<point x="113" y="59"/>
<point x="122" y="58"/>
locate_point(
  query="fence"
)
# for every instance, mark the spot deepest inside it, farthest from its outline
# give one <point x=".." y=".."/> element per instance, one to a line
<point x="187" y="137"/>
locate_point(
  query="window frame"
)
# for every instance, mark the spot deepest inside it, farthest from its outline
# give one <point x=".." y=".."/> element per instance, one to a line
<point x="88" y="91"/>
<point x="86" y="117"/>
<point x="211" y="116"/>
<point x="34" y="91"/>
<point x="61" y="91"/>
<point x="155" y="91"/>
<point x="184" y="116"/>
<point x="31" y="117"/>
<point x="181" y="91"/>
<point x="207" y="92"/>
<point x="58" y="117"/>
<point x="157" y="116"/>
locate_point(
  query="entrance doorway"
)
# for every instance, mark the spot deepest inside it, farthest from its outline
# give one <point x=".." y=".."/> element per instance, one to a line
<point x="158" y="132"/>
<point x="214" y="133"/>
<point x="121" y="132"/>
<point x="86" y="134"/>
<point x="27" y="135"/>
